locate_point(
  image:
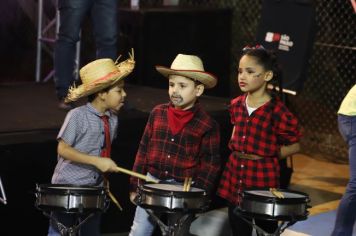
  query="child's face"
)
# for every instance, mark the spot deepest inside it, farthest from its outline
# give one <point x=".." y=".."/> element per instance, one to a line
<point x="252" y="76"/>
<point x="183" y="92"/>
<point x="115" y="97"/>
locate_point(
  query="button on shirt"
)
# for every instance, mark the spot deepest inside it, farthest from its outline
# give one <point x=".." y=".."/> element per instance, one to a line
<point x="193" y="152"/>
<point x="261" y="133"/>
<point x="83" y="130"/>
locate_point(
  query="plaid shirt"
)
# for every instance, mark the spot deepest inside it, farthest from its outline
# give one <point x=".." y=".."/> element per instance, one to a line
<point x="194" y="152"/>
<point x="262" y="133"/>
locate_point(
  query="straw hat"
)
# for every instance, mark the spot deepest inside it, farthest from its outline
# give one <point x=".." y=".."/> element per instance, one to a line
<point x="189" y="66"/>
<point x="98" y="75"/>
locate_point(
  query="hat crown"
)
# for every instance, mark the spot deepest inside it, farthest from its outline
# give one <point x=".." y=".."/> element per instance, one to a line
<point x="190" y="66"/>
<point x="98" y="75"/>
<point x="97" y="69"/>
<point x="187" y="62"/>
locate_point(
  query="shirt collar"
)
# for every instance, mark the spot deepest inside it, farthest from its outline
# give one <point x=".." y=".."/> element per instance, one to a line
<point x="92" y="109"/>
<point x="273" y="100"/>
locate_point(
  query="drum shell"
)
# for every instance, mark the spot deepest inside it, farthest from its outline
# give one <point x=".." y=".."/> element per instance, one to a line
<point x="168" y="200"/>
<point x="275" y="208"/>
<point x="71" y="198"/>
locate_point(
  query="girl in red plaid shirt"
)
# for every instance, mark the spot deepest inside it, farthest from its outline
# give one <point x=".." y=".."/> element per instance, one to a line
<point x="180" y="139"/>
<point x="264" y="131"/>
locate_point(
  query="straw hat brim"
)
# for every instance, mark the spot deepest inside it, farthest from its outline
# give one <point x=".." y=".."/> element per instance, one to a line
<point x="95" y="86"/>
<point x="205" y="78"/>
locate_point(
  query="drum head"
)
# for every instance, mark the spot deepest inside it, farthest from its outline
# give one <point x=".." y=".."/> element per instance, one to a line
<point x="177" y="188"/>
<point x="68" y="188"/>
<point x="267" y="196"/>
<point x="262" y="204"/>
<point x="172" y="198"/>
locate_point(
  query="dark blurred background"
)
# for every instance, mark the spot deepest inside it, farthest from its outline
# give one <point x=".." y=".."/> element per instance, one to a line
<point x="330" y="67"/>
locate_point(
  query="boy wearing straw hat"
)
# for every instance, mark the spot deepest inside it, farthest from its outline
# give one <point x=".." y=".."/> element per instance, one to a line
<point x="180" y="140"/>
<point x="84" y="139"/>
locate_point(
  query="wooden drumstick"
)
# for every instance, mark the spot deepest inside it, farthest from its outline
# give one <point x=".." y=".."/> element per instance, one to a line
<point x="185" y="184"/>
<point x="114" y="200"/>
<point x="276" y="193"/>
<point x="138" y="175"/>
<point x="189" y="182"/>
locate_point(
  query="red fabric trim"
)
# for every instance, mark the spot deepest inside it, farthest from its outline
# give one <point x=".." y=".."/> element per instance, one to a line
<point x="177" y="119"/>
<point x="105" y="77"/>
<point x="106" y="152"/>
<point x="178" y="70"/>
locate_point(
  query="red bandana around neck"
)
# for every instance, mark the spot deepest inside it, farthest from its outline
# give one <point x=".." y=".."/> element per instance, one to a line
<point x="106" y="152"/>
<point x="177" y="119"/>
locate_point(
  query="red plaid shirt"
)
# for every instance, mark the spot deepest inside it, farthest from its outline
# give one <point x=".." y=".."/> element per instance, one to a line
<point x="193" y="152"/>
<point x="262" y="133"/>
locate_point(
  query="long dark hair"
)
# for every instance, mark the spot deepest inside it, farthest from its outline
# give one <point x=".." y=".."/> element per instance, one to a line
<point x="268" y="60"/>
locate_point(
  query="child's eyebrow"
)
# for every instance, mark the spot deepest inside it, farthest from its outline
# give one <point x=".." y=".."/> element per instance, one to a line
<point x="247" y="68"/>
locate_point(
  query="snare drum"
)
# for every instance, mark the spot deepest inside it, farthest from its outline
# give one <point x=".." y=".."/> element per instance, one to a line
<point x="259" y="203"/>
<point x="172" y="198"/>
<point x="71" y="198"/>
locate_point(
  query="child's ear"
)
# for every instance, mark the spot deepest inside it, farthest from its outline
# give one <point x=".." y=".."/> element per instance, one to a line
<point x="199" y="90"/>
<point x="268" y="75"/>
<point x="102" y="95"/>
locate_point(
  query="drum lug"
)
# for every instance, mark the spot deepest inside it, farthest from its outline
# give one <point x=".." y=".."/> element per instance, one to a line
<point x="107" y="204"/>
<point x="139" y="199"/>
<point x="70" y="198"/>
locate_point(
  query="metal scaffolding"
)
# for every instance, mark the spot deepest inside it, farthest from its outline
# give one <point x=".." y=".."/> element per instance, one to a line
<point x="46" y="38"/>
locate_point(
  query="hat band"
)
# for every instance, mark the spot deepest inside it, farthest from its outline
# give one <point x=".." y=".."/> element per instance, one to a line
<point x="103" y="79"/>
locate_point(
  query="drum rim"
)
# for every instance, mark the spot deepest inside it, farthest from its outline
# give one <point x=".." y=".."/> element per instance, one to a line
<point x="278" y="189"/>
<point x="163" y="192"/>
<point x="246" y="196"/>
<point x="61" y="188"/>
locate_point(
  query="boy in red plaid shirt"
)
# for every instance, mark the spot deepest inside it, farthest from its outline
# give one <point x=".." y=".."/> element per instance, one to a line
<point x="180" y="139"/>
<point x="264" y="131"/>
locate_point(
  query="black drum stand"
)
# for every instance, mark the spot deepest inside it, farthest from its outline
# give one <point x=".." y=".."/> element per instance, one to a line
<point x="250" y="219"/>
<point x="3" y="195"/>
<point x="68" y="231"/>
<point x="178" y="223"/>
